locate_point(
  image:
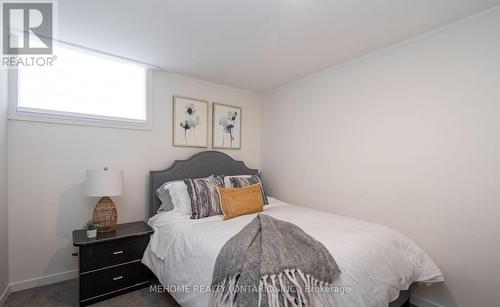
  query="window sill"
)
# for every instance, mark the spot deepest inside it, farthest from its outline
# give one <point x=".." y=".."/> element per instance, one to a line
<point x="80" y="120"/>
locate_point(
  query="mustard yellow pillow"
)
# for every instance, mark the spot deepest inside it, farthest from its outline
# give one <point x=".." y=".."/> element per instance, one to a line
<point x="240" y="201"/>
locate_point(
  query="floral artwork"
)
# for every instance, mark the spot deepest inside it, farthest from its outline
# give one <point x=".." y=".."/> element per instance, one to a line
<point x="190" y="122"/>
<point x="226" y="127"/>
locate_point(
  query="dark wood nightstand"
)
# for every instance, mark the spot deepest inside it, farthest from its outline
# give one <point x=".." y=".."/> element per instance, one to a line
<point x="110" y="265"/>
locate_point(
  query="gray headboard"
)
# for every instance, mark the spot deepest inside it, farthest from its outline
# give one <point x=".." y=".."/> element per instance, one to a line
<point x="202" y="164"/>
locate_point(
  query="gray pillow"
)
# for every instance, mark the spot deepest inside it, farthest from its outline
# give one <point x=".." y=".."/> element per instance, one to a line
<point x="164" y="196"/>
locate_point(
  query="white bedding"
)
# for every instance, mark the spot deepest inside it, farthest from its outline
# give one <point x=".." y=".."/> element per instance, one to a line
<point x="376" y="262"/>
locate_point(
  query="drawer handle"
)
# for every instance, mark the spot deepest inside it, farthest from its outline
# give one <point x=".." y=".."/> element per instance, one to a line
<point x="117" y="252"/>
<point x="117" y="278"/>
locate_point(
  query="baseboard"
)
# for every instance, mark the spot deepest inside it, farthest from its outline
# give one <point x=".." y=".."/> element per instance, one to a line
<point x="423" y="302"/>
<point x="43" y="280"/>
<point x="4" y="295"/>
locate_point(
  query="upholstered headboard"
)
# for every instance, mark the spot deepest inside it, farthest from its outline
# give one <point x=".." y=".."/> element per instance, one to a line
<point x="202" y="164"/>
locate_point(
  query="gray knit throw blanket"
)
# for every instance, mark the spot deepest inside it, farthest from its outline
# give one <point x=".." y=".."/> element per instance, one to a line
<point x="272" y="263"/>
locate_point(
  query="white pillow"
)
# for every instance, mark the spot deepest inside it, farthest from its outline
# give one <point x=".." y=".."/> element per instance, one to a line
<point x="174" y="196"/>
<point x="180" y="196"/>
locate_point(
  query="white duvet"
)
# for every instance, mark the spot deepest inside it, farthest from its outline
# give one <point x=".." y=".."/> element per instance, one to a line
<point x="376" y="262"/>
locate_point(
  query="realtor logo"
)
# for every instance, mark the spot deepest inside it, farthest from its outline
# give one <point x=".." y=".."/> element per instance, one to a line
<point x="27" y="28"/>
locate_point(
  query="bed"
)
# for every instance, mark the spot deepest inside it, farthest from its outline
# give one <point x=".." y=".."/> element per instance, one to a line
<point x="378" y="264"/>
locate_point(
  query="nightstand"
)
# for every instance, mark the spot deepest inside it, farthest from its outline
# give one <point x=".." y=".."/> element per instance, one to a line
<point x="110" y="265"/>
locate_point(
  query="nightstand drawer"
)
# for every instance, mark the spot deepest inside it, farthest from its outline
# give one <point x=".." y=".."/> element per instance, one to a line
<point x="113" y="279"/>
<point x="102" y="255"/>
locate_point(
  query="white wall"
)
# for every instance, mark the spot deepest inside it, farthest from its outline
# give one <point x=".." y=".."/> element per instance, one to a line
<point x="407" y="137"/>
<point x="47" y="169"/>
<point x="4" y="251"/>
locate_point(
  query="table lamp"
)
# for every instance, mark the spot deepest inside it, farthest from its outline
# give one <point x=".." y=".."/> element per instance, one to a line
<point x="103" y="184"/>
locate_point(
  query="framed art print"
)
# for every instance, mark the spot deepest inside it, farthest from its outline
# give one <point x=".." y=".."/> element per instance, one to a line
<point x="190" y="122"/>
<point x="226" y="127"/>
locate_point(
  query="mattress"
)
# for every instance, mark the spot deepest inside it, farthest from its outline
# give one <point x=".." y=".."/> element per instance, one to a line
<point x="376" y="262"/>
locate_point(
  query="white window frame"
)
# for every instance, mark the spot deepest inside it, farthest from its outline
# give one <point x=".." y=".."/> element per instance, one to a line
<point x="16" y="112"/>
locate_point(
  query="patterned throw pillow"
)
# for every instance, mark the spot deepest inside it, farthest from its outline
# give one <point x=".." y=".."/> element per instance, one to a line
<point x="244" y="181"/>
<point x="205" y="200"/>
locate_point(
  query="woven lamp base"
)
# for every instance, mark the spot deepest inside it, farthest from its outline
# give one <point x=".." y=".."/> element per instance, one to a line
<point x="105" y="213"/>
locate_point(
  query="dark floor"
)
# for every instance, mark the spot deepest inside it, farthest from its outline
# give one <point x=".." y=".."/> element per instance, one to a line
<point x="65" y="294"/>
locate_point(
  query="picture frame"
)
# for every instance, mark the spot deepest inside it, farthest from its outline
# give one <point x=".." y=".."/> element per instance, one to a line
<point x="189" y="122"/>
<point x="226" y="126"/>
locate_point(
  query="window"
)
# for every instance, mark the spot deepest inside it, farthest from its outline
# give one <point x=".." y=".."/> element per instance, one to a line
<point x="84" y="87"/>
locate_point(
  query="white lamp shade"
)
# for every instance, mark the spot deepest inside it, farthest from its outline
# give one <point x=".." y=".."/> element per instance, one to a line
<point x="104" y="183"/>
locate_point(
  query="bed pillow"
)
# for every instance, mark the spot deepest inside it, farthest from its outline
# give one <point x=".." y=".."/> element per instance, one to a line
<point x="244" y="181"/>
<point x="180" y="197"/>
<point x="241" y="201"/>
<point x="174" y="196"/>
<point x="205" y="200"/>
<point x="164" y="196"/>
<point x="227" y="180"/>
